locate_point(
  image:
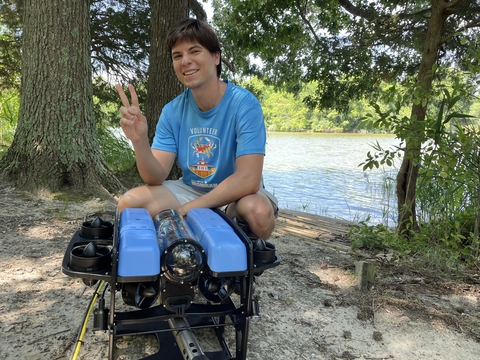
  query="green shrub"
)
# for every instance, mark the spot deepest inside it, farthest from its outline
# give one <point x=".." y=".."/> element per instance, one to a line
<point x="9" y="105"/>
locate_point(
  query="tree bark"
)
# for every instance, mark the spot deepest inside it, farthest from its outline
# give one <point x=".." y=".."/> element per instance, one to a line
<point x="408" y="173"/>
<point x="163" y="85"/>
<point x="55" y="144"/>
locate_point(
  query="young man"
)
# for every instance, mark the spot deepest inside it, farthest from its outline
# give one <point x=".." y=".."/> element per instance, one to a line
<point x="214" y="128"/>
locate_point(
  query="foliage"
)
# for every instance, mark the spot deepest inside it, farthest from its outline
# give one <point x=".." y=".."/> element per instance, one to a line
<point x="284" y="111"/>
<point x="116" y="149"/>
<point x="448" y="197"/>
<point x="348" y="47"/>
<point x="451" y="100"/>
<point x="120" y="38"/>
<point x="435" y="246"/>
<point x="10" y="55"/>
<point x="9" y="105"/>
<point x="372" y="238"/>
<point x="449" y="194"/>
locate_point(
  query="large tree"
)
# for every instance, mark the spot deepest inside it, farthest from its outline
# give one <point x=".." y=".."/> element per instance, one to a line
<point x="55" y="143"/>
<point x="349" y="48"/>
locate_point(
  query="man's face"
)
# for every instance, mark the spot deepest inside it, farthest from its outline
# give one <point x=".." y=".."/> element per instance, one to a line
<point x="194" y="65"/>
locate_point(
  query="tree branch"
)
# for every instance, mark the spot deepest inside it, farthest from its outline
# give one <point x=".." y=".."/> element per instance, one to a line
<point x="197" y="9"/>
<point x="305" y="20"/>
<point x="229" y="65"/>
<point x="356" y="11"/>
<point x="453" y="4"/>
<point x="471" y="25"/>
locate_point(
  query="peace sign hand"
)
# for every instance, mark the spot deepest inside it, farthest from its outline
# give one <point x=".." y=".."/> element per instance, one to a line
<point x="133" y="122"/>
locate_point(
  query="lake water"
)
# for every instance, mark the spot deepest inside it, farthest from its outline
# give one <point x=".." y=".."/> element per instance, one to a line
<point x="319" y="174"/>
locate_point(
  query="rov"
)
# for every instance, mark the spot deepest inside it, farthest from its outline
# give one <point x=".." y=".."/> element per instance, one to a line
<point x="178" y="274"/>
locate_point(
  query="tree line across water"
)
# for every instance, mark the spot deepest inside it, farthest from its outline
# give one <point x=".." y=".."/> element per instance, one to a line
<point x="283" y="111"/>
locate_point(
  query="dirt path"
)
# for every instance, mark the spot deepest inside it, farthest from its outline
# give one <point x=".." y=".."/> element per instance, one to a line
<point x="310" y="306"/>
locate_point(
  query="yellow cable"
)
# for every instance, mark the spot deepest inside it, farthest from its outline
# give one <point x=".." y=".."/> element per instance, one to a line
<point x="85" y="320"/>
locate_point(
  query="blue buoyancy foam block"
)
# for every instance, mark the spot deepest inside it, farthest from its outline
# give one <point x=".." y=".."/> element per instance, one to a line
<point x="139" y="253"/>
<point x="224" y="249"/>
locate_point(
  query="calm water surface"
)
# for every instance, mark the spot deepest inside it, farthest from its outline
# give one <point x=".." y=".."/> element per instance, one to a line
<point x="319" y="174"/>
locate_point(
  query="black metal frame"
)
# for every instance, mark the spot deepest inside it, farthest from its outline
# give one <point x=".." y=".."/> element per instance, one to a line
<point x="154" y="320"/>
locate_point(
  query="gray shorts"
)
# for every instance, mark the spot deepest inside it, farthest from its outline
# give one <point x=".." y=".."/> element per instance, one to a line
<point x="185" y="193"/>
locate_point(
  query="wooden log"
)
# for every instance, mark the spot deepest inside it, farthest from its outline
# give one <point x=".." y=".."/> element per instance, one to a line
<point x="365" y="272"/>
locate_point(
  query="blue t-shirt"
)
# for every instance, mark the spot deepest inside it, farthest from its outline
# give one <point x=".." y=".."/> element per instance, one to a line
<point x="207" y="143"/>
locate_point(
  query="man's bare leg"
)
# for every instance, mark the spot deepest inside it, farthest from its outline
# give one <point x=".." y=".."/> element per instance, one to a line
<point x="152" y="198"/>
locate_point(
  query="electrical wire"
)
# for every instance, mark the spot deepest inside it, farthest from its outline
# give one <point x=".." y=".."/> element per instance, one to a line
<point x="83" y="328"/>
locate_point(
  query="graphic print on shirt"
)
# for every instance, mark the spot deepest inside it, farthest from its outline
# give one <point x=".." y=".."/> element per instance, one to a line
<point x="202" y="159"/>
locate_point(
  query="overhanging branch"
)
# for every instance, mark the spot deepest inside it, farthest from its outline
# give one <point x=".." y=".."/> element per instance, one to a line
<point x="453" y="4"/>
<point x="368" y="15"/>
<point x="356" y="11"/>
<point x="472" y="25"/>
<point x="302" y="11"/>
<point x="197" y="9"/>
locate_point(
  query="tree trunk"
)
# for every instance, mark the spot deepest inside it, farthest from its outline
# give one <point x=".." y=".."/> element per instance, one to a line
<point x="55" y="144"/>
<point x="408" y="173"/>
<point x="162" y="85"/>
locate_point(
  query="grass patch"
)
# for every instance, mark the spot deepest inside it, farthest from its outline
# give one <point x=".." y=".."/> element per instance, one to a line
<point x="71" y="196"/>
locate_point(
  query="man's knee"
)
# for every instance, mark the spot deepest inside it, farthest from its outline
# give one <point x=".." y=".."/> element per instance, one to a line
<point x="259" y="208"/>
<point x="259" y="214"/>
<point x="262" y="212"/>
<point x="128" y="200"/>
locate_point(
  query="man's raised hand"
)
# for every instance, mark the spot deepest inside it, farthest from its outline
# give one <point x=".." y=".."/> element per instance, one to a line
<point x="133" y="122"/>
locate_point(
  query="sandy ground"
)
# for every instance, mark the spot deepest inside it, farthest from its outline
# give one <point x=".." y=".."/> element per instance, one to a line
<point x="310" y="305"/>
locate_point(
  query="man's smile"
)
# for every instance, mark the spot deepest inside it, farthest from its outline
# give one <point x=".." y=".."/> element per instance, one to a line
<point x="191" y="72"/>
